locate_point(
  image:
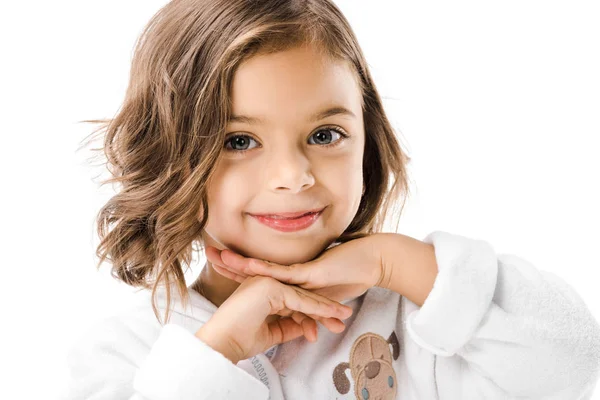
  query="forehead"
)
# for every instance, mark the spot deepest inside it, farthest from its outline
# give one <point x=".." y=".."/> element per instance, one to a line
<point x="292" y="86"/>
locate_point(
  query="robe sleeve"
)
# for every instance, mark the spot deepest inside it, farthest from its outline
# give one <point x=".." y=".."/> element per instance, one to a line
<point x="510" y="329"/>
<point x="116" y="360"/>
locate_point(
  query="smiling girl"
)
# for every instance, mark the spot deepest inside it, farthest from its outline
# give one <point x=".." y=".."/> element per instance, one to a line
<point x="294" y="145"/>
<point x="254" y="129"/>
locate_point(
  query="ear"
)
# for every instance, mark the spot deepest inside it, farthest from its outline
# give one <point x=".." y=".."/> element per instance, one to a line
<point x="340" y="380"/>
<point x="393" y="340"/>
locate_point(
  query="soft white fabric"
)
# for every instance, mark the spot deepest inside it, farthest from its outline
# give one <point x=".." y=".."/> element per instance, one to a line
<point x="493" y="327"/>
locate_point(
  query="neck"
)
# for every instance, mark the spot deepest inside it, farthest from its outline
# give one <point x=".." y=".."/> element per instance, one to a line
<point x="213" y="286"/>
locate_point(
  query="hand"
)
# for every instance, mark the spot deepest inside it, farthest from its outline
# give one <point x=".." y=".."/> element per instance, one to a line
<point x="239" y="328"/>
<point x="341" y="273"/>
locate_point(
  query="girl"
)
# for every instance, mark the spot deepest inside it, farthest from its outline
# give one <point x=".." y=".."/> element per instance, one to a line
<point x="254" y="129"/>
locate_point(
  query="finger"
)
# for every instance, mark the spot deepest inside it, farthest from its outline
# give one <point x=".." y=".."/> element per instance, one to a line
<point x="296" y="274"/>
<point x="235" y="261"/>
<point x="253" y="266"/>
<point x="334" y="325"/>
<point x="283" y="330"/>
<point x="213" y="255"/>
<point x="308" y="303"/>
<point x="345" y="310"/>
<point x="337" y="293"/>
<point x="227" y="274"/>
<point x="309" y="325"/>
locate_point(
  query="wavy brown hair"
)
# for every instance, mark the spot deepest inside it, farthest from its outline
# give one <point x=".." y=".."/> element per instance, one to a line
<point x="162" y="145"/>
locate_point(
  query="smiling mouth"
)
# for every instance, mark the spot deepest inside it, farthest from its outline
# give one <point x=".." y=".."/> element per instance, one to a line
<point x="289" y="224"/>
<point x="282" y="217"/>
<point x="289" y="215"/>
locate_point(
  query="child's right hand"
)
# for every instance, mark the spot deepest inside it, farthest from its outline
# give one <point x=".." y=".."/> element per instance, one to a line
<point x="243" y="327"/>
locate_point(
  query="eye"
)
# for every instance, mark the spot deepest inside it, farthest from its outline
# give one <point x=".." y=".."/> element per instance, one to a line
<point x="325" y="134"/>
<point x="238" y="140"/>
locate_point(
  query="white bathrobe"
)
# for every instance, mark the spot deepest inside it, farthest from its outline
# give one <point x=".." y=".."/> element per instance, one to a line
<point x="493" y="327"/>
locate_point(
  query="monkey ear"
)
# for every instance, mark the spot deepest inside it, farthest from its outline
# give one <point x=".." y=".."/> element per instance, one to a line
<point x="340" y="380"/>
<point x="393" y="340"/>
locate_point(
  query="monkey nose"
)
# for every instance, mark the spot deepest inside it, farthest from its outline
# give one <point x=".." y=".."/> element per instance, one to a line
<point x="372" y="369"/>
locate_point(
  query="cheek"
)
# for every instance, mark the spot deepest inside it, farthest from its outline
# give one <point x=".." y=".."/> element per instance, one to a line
<point x="343" y="179"/>
<point x="346" y="183"/>
<point x="229" y="190"/>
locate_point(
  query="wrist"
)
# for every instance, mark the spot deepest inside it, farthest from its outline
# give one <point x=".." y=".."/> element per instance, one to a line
<point x="216" y="344"/>
<point x="409" y="266"/>
<point x="384" y="261"/>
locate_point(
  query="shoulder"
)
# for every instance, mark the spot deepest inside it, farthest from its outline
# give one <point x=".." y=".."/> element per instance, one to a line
<point x="135" y="328"/>
<point x="106" y="356"/>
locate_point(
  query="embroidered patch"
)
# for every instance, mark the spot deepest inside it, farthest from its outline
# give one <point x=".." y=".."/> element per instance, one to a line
<point x="371" y="367"/>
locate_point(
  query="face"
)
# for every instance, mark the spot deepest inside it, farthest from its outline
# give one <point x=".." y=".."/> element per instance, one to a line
<point x="287" y="158"/>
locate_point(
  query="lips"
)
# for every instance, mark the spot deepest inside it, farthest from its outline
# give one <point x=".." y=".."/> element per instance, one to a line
<point x="302" y="221"/>
<point x="288" y="215"/>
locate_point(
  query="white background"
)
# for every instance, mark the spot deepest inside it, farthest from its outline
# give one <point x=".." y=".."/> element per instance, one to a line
<point x="497" y="104"/>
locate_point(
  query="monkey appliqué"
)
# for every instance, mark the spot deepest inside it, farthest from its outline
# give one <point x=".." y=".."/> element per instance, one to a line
<point x="371" y="368"/>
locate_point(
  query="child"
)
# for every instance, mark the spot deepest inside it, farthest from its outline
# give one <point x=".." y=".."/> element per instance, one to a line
<point x="221" y="141"/>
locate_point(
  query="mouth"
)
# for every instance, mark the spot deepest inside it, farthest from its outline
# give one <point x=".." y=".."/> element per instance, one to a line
<point x="286" y="223"/>
<point x="289" y="215"/>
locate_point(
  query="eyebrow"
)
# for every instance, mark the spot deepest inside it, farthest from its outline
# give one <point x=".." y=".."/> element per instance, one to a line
<point x="336" y="110"/>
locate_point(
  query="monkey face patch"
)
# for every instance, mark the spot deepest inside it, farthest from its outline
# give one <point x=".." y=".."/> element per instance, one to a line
<point x="371" y="368"/>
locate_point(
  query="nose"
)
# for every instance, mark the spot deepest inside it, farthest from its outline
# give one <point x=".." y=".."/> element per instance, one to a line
<point x="289" y="170"/>
<point x="372" y="369"/>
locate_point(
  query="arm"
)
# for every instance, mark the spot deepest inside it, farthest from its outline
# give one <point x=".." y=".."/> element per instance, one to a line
<point x="508" y="327"/>
<point x="113" y="362"/>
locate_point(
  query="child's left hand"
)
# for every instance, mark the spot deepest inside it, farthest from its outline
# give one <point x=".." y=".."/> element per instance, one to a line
<point x="341" y="273"/>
